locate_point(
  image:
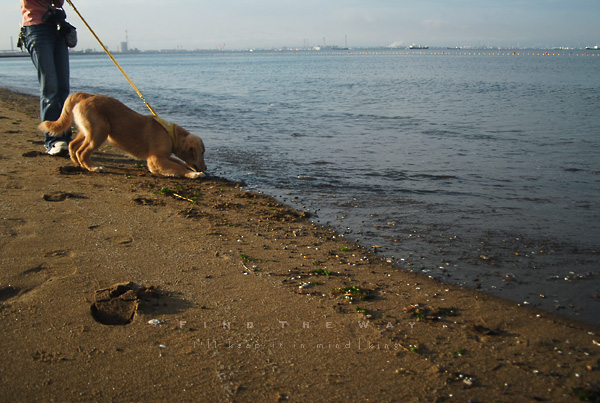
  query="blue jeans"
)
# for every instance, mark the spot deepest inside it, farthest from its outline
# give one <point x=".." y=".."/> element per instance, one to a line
<point x="50" y="56"/>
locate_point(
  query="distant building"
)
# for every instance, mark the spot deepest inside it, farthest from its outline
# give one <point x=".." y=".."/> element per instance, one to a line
<point x="123" y="47"/>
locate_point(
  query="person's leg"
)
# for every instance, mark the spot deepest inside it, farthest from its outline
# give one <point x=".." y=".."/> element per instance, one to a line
<point x="40" y="41"/>
<point x="61" y="62"/>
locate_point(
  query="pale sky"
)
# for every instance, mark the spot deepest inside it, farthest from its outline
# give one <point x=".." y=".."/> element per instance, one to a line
<point x="243" y="24"/>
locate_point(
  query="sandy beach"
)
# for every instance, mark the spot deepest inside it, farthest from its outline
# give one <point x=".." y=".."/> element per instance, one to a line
<point x="125" y="286"/>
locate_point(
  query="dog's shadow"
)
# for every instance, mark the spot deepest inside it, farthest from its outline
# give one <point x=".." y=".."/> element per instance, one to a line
<point x="113" y="161"/>
<point x="112" y="157"/>
<point x="165" y="303"/>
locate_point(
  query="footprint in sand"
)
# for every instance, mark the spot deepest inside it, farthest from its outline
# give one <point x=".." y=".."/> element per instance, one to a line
<point x="72" y="170"/>
<point x="58" y="253"/>
<point x="34" y="270"/>
<point x="33" y="279"/>
<point x="118" y="304"/>
<point x="8" y="292"/>
<point x="125" y="240"/>
<point x="144" y="201"/>
<point x="33" y="154"/>
<point x="61" y="196"/>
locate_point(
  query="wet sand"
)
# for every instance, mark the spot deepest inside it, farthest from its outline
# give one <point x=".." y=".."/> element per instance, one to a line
<point x="125" y="286"/>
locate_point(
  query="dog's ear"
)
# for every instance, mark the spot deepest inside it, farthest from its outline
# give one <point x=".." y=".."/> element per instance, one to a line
<point x="196" y="148"/>
<point x="190" y="148"/>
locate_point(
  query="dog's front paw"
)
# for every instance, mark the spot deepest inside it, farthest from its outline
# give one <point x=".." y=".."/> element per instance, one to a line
<point x="195" y="175"/>
<point x="98" y="169"/>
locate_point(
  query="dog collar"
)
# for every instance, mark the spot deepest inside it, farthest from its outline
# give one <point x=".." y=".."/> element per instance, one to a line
<point x="170" y="128"/>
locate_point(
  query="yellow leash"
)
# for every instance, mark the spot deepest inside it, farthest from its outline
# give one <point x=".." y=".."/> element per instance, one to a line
<point x="112" y="58"/>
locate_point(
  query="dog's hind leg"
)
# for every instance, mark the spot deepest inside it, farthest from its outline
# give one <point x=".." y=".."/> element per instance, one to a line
<point x="84" y="154"/>
<point x="74" y="147"/>
<point x="91" y="142"/>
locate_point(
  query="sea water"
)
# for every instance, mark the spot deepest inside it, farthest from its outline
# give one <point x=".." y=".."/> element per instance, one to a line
<point x="478" y="168"/>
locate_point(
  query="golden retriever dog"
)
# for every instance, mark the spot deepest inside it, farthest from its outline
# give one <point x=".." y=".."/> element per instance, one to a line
<point x="99" y="117"/>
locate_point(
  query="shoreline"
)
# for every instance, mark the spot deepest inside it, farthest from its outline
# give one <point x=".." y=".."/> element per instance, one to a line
<point x="180" y="253"/>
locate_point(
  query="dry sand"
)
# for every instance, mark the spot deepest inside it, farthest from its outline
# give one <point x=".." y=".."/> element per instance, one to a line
<point x="252" y="301"/>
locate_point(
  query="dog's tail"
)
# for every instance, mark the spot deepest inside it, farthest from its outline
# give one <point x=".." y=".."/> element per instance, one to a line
<point x="66" y="117"/>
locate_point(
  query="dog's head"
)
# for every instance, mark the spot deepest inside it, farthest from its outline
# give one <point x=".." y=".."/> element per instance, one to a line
<point x="191" y="151"/>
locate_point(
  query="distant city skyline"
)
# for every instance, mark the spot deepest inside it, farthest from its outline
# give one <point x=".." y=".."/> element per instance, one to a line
<point x="267" y="24"/>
